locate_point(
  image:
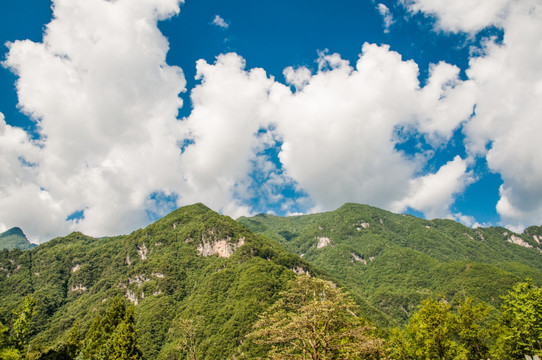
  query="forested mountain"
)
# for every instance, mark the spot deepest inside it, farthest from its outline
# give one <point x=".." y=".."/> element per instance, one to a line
<point x="14" y="238"/>
<point x="198" y="285"/>
<point x="193" y="264"/>
<point x="395" y="261"/>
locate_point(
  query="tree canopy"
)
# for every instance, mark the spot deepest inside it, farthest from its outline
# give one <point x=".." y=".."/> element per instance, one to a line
<point x="315" y="320"/>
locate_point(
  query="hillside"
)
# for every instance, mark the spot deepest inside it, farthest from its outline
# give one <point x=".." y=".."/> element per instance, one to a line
<point x="14" y="238"/>
<point x="192" y="264"/>
<point x="199" y="269"/>
<point x="394" y="261"/>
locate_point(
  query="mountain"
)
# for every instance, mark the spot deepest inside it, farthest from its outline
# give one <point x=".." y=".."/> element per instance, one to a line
<point x="192" y="264"/>
<point x="395" y="261"/>
<point x="197" y="269"/>
<point x="14" y="238"/>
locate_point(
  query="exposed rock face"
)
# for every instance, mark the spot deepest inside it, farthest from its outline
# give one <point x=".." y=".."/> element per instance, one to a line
<point x="79" y="287"/>
<point x="519" y="241"/>
<point x="362" y="225"/>
<point x="323" y="242"/>
<point x="300" y="271"/>
<point x="75" y="268"/>
<point x="357" y="258"/>
<point x="142" y="251"/>
<point x="131" y="296"/>
<point x="138" y="279"/>
<point x="223" y="248"/>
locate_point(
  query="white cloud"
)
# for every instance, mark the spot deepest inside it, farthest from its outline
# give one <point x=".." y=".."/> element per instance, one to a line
<point x="297" y="77"/>
<point x="229" y="109"/>
<point x="220" y="22"/>
<point x="433" y="194"/>
<point x="469" y="221"/>
<point x="462" y="15"/>
<point x="23" y="203"/>
<point x="111" y="138"/>
<point x="506" y="79"/>
<point x="106" y="104"/>
<point x="386" y="16"/>
<point x="337" y="130"/>
<point x="508" y="117"/>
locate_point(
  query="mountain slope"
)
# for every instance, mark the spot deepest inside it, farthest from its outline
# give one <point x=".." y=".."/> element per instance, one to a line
<point x="192" y="264"/>
<point x="394" y="261"/>
<point x="14" y="238"/>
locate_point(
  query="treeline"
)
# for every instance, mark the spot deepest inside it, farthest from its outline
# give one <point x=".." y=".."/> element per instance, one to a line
<point x="314" y="319"/>
<point x="473" y="330"/>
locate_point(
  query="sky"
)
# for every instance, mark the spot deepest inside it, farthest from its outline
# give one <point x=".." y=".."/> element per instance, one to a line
<point x="115" y="112"/>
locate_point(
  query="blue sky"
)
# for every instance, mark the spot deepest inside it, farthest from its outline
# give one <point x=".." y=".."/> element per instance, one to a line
<point x="116" y="112"/>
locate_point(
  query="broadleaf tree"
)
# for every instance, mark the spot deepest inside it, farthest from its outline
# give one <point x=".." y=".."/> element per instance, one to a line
<point x="315" y="320"/>
<point x="520" y="324"/>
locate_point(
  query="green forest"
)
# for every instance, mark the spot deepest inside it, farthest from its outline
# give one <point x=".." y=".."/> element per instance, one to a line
<point x="355" y="283"/>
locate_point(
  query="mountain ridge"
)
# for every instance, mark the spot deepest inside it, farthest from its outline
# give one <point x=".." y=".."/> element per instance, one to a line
<point x="163" y="270"/>
<point x="15" y="238"/>
<point x="200" y="266"/>
<point x="395" y="260"/>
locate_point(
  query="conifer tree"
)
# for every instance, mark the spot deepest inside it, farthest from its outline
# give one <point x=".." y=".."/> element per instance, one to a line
<point x="21" y="325"/>
<point x="123" y="344"/>
<point x="112" y="336"/>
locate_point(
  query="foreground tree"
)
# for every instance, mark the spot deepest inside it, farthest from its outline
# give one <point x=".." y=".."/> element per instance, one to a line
<point x="472" y="328"/>
<point x="437" y="332"/>
<point x="113" y="336"/>
<point x="187" y="341"/>
<point x="16" y="346"/>
<point x="315" y="320"/>
<point x="430" y="332"/>
<point x="66" y="350"/>
<point x="520" y="324"/>
<point x="21" y="325"/>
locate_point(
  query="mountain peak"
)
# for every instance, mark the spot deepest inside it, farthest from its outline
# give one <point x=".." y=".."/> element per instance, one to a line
<point x="15" y="238"/>
<point x="15" y="231"/>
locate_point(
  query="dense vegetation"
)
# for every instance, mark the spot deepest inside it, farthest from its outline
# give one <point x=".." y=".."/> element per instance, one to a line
<point x="396" y="261"/>
<point x="473" y="330"/>
<point x="162" y="271"/>
<point x="15" y="238"/>
<point x="197" y="285"/>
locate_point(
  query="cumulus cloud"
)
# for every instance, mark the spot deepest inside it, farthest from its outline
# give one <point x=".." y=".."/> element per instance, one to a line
<point x="508" y="117"/>
<point x="336" y="132"/>
<point x="506" y="79"/>
<point x="110" y="141"/>
<point x="433" y="194"/>
<point x="106" y="103"/>
<point x="386" y="16"/>
<point x="462" y="15"/>
<point x="111" y="150"/>
<point x="297" y="77"/>
<point x="220" y="22"/>
<point x="229" y="109"/>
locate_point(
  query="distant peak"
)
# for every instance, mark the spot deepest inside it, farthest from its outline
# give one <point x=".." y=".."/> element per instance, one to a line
<point x="197" y="207"/>
<point x="16" y="231"/>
